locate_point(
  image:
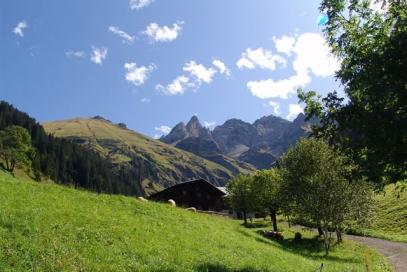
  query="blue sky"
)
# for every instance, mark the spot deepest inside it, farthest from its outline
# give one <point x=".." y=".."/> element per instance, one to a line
<point x="151" y="64"/>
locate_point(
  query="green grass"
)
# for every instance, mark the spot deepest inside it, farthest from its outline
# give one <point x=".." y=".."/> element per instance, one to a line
<point x="46" y="227"/>
<point x="390" y="220"/>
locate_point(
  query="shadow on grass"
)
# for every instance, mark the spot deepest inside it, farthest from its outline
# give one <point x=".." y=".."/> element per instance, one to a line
<point x="312" y="248"/>
<point x="208" y="267"/>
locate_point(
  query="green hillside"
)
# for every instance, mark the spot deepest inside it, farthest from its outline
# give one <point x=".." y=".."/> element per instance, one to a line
<point x="390" y="220"/>
<point x="157" y="164"/>
<point x="46" y="227"/>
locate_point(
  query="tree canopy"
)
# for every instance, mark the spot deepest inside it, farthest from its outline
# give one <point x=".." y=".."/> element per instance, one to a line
<point x="316" y="184"/>
<point x="370" y="124"/>
<point x="16" y="148"/>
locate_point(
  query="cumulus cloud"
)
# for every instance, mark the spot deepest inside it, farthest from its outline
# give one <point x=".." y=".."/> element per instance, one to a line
<point x="19" y="28"/>
<point x="159" y="33"/>
<point x="221" y="67"/>
<point x="261" y="58"/>
<point x="98" y="55"/>
<point x="122" y="34"/>
<point x="284" y="44"/>
<point x="199" y="71"/>
<point x="293" y="111"/>
<point x="311" y="55"/>
<point x="275" y="107"/>
<point x="139" y="4"/>
<point x="163" y="129"/>
<point x="145" y="100"/>
<point x="75" y="54"/>
<point x="177" y="86"/>
<point x="281" y="88"/>
<point x="137" y="75"/>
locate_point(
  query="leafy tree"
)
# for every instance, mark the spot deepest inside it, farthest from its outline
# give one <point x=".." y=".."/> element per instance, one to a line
<point x="240" y="194"/>
<point x="266" y="192"/>
<point x="316" y="180"/>
<point x="15" y="147"/>
<point x="370" y="125"/>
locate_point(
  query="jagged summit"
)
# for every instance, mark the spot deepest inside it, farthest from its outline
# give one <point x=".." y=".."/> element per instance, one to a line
<point x="259" y="144"/>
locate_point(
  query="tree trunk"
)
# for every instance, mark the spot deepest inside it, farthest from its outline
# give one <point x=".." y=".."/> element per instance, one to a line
<point x="273" y="216"/>
<point x="320" y="232"/>
<point x="245" y="218"/>
<point x="338" y="235"/>
<point x="289" y="221"/>
<point x="327" y="240"/>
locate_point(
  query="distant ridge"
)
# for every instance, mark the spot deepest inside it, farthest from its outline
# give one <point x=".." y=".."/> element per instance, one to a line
<point x="259" y="144"/>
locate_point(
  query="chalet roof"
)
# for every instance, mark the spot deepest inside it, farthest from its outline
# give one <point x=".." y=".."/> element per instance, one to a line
<point x="181" y="184"/>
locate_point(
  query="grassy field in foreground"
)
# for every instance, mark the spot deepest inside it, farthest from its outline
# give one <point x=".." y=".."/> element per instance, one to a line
<point x="390" y="220"/>
<point x="45" y="227"/>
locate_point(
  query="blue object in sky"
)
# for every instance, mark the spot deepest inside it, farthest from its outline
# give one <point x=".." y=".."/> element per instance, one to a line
<point x="322" y="19"/>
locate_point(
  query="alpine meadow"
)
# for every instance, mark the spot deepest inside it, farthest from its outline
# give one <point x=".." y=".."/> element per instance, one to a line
<point x="208" y="136"/>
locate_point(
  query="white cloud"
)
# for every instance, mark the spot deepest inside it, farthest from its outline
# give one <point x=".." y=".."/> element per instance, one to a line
<point x="145" y="100"/>
<point x="163" y="129"/>
<point x="260" y="57"/>
<point x="98" y="55"/>
<point x="284" y="44"/>
<point x="221" y="67"/>
<point x="281" y="88"/>
<point x="122" y="34"/>
<point x="177" y="86"/>
<point x="200" y="72"/>
<point x="163" y="33"/>
<point x="75" y="54"/>
<point x="275" y="106"/>
<point x="311" y="55"/>
<point x="19" y="29"/>
<point x="139" y="4"/>
<point x="137" y="75"/>
<point x="293" y="111"/>
<point x="209" y="125"/>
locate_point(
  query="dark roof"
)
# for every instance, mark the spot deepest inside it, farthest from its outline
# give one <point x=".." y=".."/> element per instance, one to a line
<point x="189" y="182"/>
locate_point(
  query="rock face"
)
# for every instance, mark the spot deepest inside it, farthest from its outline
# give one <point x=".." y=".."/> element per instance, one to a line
<point x="259" y="144"/>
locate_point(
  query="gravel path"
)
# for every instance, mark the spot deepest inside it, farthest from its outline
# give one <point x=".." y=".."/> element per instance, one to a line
<point x="396" y="252"/>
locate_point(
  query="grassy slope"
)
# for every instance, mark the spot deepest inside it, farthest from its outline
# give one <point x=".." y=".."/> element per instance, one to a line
<point x="46" y="227"/>
<point x="390" y="221"/>
<point x="119" y="144"/>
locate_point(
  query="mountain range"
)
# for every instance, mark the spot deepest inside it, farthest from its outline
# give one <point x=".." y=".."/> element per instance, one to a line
<point x="258" y="144"/>
<point x="189" y="151"/>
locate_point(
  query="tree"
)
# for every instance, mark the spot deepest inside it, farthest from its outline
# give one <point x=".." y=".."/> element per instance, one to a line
<point x="15" y="147"/>
<point x="266" y="192"/>
<point x="240" y="194"/>
<point x="370" y="125"/>
<point x="316" y="180"/>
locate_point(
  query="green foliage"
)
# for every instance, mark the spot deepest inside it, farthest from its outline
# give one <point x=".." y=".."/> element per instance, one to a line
<point x="240" y="194"/>
<point x="46" y="227"/>
<point x="267" y="193"/>
<point x="316" y="183"/>
<point x="16" y="148"/>
<point x="370" y="126"/>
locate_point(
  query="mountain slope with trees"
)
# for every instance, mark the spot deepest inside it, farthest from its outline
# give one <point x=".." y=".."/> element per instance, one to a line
<point x="155" y="165"/>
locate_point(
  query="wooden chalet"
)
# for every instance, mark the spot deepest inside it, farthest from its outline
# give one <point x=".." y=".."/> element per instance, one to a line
<point x="198" y="193"/>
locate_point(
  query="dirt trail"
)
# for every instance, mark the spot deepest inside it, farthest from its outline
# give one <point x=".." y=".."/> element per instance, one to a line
<point x="396" y="252"/>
